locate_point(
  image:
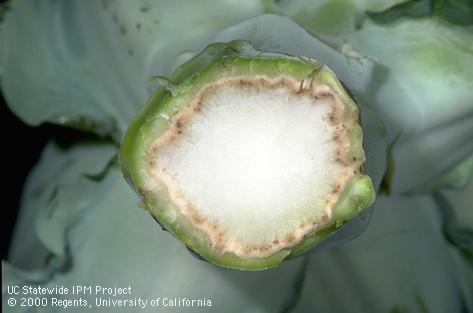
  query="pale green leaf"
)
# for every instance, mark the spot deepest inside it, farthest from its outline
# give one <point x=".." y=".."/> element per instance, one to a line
<point x="457" y="177"/>
<point x="401" y="263"/>
<point x="458" y="218"/>
<point x="454" y="11"/>
<point x="427" y="98"/>
<point x="425" y="91"/>
<point x="54" y="195"/>
<point x="84" y="63"/>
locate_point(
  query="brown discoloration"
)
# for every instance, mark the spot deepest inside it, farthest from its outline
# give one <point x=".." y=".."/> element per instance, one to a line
<point x="301" y="87"/>
<point x="221" y="240"/>
<point x="289" y="238"/>
<point x="197" y="219"/>
<point x="336" y="188"/>
<point x="331" y="118"/>
<point x="198" y="106"/>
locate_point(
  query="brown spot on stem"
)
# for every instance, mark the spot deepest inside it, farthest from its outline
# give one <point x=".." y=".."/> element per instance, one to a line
<point x="336" y="188"/>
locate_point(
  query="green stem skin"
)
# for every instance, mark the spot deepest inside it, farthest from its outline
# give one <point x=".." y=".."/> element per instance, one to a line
<point x="236" y="59"/>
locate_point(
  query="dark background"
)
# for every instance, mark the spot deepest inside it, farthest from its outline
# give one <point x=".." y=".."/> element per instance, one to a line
<point x="21" y="148"/>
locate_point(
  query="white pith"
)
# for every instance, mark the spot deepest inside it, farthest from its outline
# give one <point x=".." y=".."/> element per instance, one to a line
<point x="255" y="167"/>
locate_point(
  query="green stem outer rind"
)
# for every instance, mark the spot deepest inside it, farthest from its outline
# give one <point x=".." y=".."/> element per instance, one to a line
<point x="217" y="61"/>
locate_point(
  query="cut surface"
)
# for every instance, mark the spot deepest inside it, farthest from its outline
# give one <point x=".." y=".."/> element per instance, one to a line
<point x="256" y="163"/>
